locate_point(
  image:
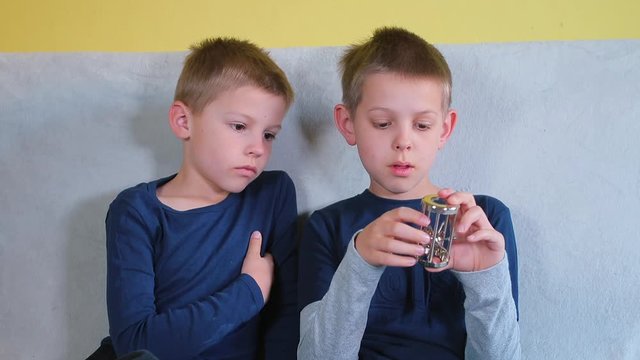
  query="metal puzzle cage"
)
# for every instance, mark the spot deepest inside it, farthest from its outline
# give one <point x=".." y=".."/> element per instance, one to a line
<point x="440" y="230"/>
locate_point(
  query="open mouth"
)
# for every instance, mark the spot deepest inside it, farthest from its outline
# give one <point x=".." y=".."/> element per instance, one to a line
<point x="401" y="169"/>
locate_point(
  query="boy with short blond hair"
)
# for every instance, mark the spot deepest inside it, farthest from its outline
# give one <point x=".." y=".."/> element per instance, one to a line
<point x="216" y="65"/>
<point x="191" y="257"/>
<point x="361" y="292"/>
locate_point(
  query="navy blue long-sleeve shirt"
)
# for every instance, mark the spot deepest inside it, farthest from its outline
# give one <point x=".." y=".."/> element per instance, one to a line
<point x="174" y="285"/>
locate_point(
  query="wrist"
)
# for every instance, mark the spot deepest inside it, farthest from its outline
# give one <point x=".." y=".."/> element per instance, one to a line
<point x="255" y="289"/>
<point x="354" y="239"/>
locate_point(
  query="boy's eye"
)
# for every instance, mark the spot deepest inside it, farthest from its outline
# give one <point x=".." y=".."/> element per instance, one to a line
<point x="381" y="124"/>
<point x="423" y="126"/>
<point x="269" y="136"/>
<point x="238" y="126"/>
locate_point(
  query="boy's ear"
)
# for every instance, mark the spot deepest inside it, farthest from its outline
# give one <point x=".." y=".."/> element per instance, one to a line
<point x="180" y="120"/>
<point x="344" y="123"/>
<point x="447" y="127"/>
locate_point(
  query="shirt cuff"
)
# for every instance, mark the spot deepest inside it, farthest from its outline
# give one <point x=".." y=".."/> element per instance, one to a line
<point x="492" y="280"/>
<point x="254" y="289"/>
<point x="359" y="265"/>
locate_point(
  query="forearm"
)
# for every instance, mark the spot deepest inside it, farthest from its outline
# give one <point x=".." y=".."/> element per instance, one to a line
<point x="490" y="314"/>
<point x="186" y="331"/>
<point x="332" y="328"/>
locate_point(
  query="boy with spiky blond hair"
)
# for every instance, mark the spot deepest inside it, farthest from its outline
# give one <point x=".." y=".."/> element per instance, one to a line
<point x="361" y="292"/>
<point x="191" y="257"/>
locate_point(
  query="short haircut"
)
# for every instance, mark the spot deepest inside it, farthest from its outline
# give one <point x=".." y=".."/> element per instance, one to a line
<point x="392" y="50"/>
<point x="216" y="65"/>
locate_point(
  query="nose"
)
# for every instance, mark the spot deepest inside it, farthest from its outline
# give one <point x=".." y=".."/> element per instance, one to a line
<point x="257" y="147"/>
<point x="402" y="141"/>
<point x="402" y="146"/>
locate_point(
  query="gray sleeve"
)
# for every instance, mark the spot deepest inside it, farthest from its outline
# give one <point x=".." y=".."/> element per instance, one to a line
<point x="332" y="327"/>
<point x="490" y="314"/>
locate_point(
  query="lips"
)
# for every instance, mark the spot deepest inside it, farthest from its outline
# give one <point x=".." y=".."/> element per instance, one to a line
<point x="401" y="169"/>
<point x="248" y="171"/>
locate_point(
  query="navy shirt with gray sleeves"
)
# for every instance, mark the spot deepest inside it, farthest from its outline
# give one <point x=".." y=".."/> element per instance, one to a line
<point x="350" y="309"/>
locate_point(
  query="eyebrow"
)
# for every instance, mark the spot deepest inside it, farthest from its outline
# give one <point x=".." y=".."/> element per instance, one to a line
<point x="238" y="114"/>
<point x="425" y="112"/>
<point x="250" y="119"/>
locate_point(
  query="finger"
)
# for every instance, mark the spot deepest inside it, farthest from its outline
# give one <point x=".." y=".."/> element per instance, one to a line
<point x="391" y="259"/>
<point x="493" y="238"/>
<point x="474" y="216"/>
<point x="402" y="248"/>
<point x="407" y="233"/>
<point x="408" y="215"/>
<point x="255" y="243"/>
<point x="464" y="200"/>
<point x="445" y="193"/>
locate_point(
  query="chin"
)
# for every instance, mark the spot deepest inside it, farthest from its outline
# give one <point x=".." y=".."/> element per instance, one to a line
<point x="237" y="186"/>
<point x="402" y="190"/>
<point x="402" y="193"/>
<point x="238" y="189"/>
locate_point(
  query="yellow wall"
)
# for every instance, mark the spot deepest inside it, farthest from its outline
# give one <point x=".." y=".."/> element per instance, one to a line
<point x="165" y="25"/>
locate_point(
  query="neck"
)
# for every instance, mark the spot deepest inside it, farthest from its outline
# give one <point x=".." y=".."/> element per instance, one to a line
<point x="187" y="191"/>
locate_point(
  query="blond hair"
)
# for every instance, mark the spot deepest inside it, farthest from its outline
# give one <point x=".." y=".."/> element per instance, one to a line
<point x="216" y="65"/>
<point x="393" y="50"/>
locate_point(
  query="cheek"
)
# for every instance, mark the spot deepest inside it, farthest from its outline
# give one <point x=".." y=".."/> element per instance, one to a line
<point x="267" y="152"/>
<point x="268" y="149"/>
<point x="370" y="141"/>
<point x="370" y="154"/>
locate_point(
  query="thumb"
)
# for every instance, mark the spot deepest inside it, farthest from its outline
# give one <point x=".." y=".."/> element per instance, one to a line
<point x="444" y="193"/>
<point x="255" y="243"/>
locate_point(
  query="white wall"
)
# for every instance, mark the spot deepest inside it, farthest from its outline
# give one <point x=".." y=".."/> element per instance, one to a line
<point x="550" y="128"/>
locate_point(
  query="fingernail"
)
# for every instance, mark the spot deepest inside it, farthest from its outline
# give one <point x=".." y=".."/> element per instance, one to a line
<point x="255" y="234"/>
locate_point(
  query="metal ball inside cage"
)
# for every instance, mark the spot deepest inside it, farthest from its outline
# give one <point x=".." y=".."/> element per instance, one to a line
<point x="440" y="230"/>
